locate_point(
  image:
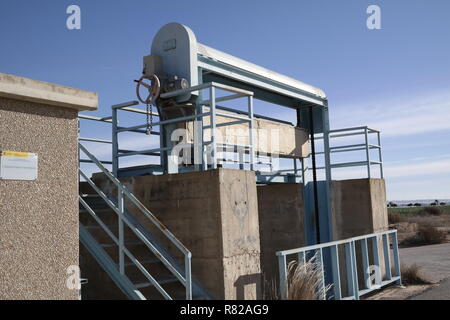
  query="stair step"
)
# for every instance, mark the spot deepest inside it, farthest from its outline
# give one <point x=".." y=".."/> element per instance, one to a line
<point x="108" y="245"/>
<point x="193" y="298"/>
<point x="160" y="281"/>
<point x="126" y="243"/>
<point x="85" y="195"/>
<point x="101" y="210"/>
<point x="95" y="201"/>
<point x="93" y="227"/>
<point x="143" y="261"/>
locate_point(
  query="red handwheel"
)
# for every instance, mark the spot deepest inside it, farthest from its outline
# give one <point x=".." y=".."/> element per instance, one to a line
<point x="154" y="88"/>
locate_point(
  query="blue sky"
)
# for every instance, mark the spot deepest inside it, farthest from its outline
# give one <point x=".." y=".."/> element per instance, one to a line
<point x="396" y="79"/>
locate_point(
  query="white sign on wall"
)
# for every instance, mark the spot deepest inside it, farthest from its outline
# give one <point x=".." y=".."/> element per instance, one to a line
<point x="18" y="165"/>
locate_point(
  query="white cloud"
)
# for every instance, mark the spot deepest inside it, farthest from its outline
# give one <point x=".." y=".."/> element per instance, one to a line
<point x="426" y="167"/>
<point x="439" y="167"/>
<point x="414" y="114"/>
<point x="420" y="188"/>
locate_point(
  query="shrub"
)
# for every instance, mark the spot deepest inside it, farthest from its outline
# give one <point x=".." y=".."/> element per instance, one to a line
<point x="394" y="217"/>
<point x="426" y="234"/>
<point x="433" y="211"/>
<point x="305" y="281"/>
<point x="412" y="275"/>
<point x="391" y="204"/>
<point x="417" y="204"/>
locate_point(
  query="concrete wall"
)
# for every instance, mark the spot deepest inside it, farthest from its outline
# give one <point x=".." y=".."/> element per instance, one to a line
<point x="281" y="226"/>
<point x="232" y="238"/>
<point x="359" y="207"/>
<point x="215" y="215"/>
<point x="270" y="137"/>
<point x="38" y="219"/>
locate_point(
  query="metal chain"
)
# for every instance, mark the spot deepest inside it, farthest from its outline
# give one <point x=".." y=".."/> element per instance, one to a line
<point x="149" y="119"/>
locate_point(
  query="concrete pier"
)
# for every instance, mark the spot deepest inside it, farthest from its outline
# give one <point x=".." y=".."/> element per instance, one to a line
<point x="281" y="226"/>
<point x="215" y="215"/>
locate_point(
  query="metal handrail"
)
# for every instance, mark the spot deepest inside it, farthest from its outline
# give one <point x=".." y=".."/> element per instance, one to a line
<point x="103" y="258"/>
<point x="94" y="118"/>
<point x="363" y="128"/>
<point x="211" y="112"/>
<point x="124" y="193"/>
<point x="350" y="263"/>
<point x="365" y="146"/>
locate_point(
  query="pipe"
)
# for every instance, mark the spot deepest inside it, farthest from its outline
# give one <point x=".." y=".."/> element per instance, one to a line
<point x="314" y="167"/>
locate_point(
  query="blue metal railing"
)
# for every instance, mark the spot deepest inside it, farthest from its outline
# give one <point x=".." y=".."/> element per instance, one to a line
<point x="331" y="250"/>
<point x="365" y="145"/>
<point x="205" y="109"/>
<point x="123" y="193"/>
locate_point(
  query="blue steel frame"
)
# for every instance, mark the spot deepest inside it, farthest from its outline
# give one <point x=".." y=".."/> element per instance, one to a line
<point x="366" y="146"/>
<point x="388" y="238"/>
<point x="198" y="117"/>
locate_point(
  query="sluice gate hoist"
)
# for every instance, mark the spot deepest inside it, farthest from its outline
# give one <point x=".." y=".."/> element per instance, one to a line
<point x="178" y="72"/>
<point x="205" y="118"/>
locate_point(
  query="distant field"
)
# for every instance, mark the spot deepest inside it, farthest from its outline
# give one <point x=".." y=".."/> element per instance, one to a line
<point x="421" y="225"/>
<point x="415" y="210"/>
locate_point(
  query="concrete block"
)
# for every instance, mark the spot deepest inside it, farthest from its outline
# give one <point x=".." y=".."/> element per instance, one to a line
<point x="242" y="277"/>
<point x="281" y="221"/>
<point x="239" y="208"/>
<point x="359" y="207"/>
<point x="270" y="137"/>
<point x="215" y="215"/>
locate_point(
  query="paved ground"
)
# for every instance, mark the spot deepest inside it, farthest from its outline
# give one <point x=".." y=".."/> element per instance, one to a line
<point x="434" y="260"/>
<point x="435" y="263"/>
<point x="441" y="292"/>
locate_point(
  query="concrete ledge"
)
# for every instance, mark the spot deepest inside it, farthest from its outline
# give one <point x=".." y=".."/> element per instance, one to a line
<point x="20" y="88"/>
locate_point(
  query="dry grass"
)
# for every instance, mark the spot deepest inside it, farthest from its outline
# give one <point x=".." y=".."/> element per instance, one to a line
<point x="394" y="218"/>
<point x="305" y="281"/>
<point x="411" y="275"/>
<point x="414" y="211"/>
<point x="426" y="235"/>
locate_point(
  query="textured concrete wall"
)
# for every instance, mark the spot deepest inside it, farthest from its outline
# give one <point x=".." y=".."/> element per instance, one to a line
<point x="39" y="219"/>
<point x="215" y="215"/>
<point x="359" y="207"/>
<point x="270" y="137"/>
<point x="281" y="225"/>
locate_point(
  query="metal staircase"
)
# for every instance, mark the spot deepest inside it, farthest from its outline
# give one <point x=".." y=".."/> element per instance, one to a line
<point x="113" y="232"/>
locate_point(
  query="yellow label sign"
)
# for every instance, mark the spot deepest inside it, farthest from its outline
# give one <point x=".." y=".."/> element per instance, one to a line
<point x="14" y="154"/>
